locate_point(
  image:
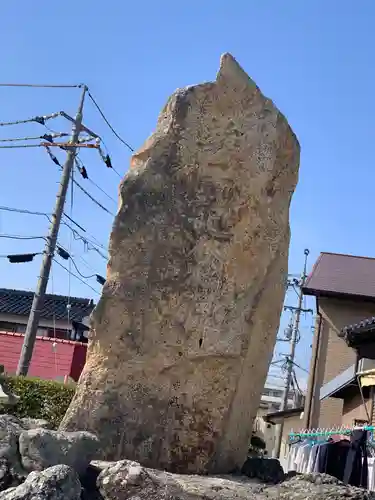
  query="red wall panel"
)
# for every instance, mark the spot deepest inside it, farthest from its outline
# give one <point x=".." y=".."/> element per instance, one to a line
<point x="51" y="358"/>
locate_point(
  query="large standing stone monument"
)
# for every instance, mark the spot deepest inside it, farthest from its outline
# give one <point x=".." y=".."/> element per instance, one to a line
<point x="183" y="334"/>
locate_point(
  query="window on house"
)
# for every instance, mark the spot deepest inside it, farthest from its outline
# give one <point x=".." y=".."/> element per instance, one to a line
<point x="6" y="326"/>
<point x="359" y="423"/>
<point x="59" y="333"/>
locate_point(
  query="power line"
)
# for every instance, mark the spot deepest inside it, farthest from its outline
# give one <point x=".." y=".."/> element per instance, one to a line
<point x="107" y="161"/>
<point x="30" y="212"/>
<point x="107" y="122"/>
<point x="77" y="277"/>
<point x="65" y="254"/>
<point x="91" y="245"/>
<point x="19" y="146"/>
<point x="79" y="272"/>
<point x="19" y="237"/>
<point x="75" y="223"/>
<point x="300" y="367"/>
<point x="37" y="119"/>
<point x="90" y="240"/>
<point x="41" y="86"/>
<point x="94" y="200"/>
<point x="22" y="211"/>
<point x="35" y="138"/>
<point x="85" y="263"/>
<point x="79" y="161"/>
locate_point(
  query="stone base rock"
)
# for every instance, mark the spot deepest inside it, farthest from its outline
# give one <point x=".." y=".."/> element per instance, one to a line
<point x="56" y="483"/>
<point x="10" y="429"/>
<point x="5" y="476"/>
<point x="127" y="480"/>
<point x="42" y="448"/>
<point x="35" y="423"/>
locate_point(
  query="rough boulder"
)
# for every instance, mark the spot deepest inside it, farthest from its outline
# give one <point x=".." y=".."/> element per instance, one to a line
<point x="183" y="334"/>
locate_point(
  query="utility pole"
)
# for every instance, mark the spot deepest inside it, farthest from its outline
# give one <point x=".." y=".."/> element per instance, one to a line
<point x="290" y="358"/>
<point x="38" y="300"/>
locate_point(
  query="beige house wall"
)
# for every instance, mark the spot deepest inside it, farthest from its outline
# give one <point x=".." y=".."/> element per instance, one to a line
<point x="334" y="356"/>
<point x="354" y="409"/>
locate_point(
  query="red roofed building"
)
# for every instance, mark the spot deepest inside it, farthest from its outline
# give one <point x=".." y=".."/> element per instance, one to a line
<point x="60" y="348"/>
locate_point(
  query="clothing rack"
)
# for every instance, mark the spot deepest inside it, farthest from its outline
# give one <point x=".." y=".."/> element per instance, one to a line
<point x="306" y="433"/>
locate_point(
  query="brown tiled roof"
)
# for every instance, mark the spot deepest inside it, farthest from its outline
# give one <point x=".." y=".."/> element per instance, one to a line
<point x="359" y="332"/>
<point x="342" y="275"/>
<point x="55" y="306"/>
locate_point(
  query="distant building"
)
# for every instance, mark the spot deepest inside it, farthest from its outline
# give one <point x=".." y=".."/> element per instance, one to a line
<point x="61" y="317"/>
<point x="270" y="403"/>
<point x="60" y="347"/>
<point x="343" y="346"/>
<point x="272" y="397"/>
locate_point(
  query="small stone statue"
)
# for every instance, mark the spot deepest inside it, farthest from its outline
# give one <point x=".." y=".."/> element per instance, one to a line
<point x="6" y="397"/>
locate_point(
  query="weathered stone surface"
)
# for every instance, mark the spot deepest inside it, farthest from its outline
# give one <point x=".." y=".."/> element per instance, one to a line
<point x="183" y="334"/>
<point x="315" y="487"/>
<point x="10" y="475"/>
<point x="35" y="423"/>
<point x="127" y="480"/>
<point x="10" y="429"/>
<point x="56" y="483"/>
<point x="42" y="448"/>
<point x="5" y="476"/>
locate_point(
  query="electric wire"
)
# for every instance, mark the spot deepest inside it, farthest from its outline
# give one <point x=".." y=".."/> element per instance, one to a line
<point x="20" y="146"/>
<point x="35" y="138"/>
<point x="80" y="163"/>
<point x="294" y="377"/>
<point x="107" y="161"/>
<point x="85" y="263"/>
<point x="23" y="211"/>
<point x="79" y="272"/>
<point x="108" y="123"/>
<point x="300" y="367"/>
<point x="85" y="239"/>
<point x="89" y="241"/>
<point x="20" y="237"/>
<point x="94" y="200"/>
<point x="75" y="223"/>
<point x="37" y="119"/>
<point x="90" y="245"/>
<point x="54" y="322"/>
<point x="42" y="86"/>
<point x="77" y="277"/>
<point x="295" y="290"/>
<point x="70" y="240"/>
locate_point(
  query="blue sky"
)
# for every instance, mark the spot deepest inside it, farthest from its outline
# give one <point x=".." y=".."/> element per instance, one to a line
<point x="315" y="59"/>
